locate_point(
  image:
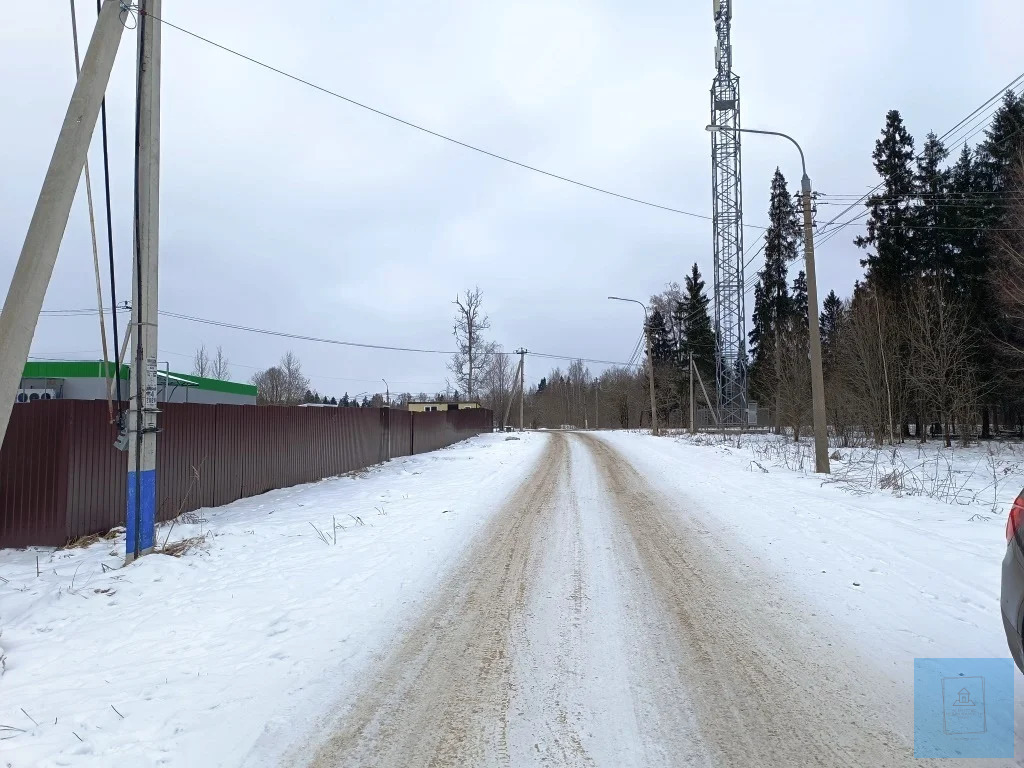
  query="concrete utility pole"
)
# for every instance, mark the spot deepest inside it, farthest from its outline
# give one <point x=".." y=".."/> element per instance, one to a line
<point x="142" y="430"/>
<point x="692" y="430"/>
<point x="522" y="352"/>
<point x="821" y="462"/>
<point x="46" y="229"/>
<point x="650" y="361"/>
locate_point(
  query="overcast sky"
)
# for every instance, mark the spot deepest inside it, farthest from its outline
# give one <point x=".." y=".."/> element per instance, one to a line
<point x="284" y="208"/>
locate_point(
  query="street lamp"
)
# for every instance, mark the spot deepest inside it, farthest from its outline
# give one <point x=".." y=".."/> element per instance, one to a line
<point x="650" y="361"/>
<point x="387" y="394"/>
<point x="821" y="463"/>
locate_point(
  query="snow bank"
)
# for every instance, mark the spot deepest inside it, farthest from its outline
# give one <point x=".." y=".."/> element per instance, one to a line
<point x="207" y="658"/>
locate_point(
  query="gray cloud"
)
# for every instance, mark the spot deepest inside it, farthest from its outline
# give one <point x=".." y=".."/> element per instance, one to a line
<point x="284" y="208"/>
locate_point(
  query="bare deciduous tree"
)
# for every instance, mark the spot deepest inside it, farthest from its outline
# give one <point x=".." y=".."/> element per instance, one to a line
<point x="473" y="351"/>
<point x="270" y="386"/>
<point x="940" y="342"/>
<point x="282" y="384"/>
<point x="201" y="362"/>
<point x="793" y="382"/>
<point x="220" y="366"/>
<point x="499" y="383"/>
<point x="871" y="376"/>
<point x="294" y="382"/>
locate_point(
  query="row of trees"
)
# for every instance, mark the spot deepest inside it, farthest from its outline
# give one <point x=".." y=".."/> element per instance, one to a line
<point x="930" y="340"/>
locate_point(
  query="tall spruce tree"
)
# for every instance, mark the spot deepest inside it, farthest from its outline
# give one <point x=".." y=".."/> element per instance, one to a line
<point x="889" y="240"/>
<point x="964" y="216"/>
<point x="996" y="155"/>
<point x="772" y="301"/>
<point x="932" y="213"/>
<point x="695" y="322"/>
<point x="662" y="348"/>
<point x="832" y="314"/>
<point x="799" y="302"/>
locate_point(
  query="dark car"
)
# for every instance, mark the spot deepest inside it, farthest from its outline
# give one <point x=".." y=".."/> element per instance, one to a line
<point x="1012" y="592"/>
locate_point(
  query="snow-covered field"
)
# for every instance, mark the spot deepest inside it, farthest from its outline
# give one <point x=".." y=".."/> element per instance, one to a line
<point x="191" y="661"/>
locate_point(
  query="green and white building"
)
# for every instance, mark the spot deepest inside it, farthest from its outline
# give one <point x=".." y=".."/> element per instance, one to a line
<point x="87" y="380"/>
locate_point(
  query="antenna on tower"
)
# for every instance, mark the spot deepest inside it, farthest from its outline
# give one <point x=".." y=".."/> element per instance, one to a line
<point x="727" y="195"/>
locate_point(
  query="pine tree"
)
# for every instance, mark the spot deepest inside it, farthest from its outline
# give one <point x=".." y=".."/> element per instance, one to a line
<point x="889" y="239"/>
<point x="832" y="313"/>
<point x="308" y="397"/>
<point x="995" y="188"/>
<point x="772" y="301"/>
<point x="963" y="219"/>
<point x="698" y="333"/>
<point x="799" y="302"/>
<point x="662" y="348"/>
<point x="542" y="385"/>
<point x="344" y="401"/>
<point x="932" y="180"/>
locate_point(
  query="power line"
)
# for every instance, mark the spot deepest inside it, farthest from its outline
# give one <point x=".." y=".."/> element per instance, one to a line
<point x="573" y="359"/>
<point x="430" y="132"/>
<point x="827" y="233"/>
<point x="363" y="345"/>
<point x="301" y="337"/>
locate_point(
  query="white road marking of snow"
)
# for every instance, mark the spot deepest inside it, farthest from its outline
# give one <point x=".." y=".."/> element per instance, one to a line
<point x="903" y="577"/>
<point x="207" y="655"/>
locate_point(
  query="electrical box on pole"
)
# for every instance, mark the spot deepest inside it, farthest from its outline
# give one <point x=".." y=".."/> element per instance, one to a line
<point x="727" y="204"/>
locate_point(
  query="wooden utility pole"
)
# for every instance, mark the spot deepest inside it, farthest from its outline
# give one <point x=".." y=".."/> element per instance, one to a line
<point x="142" y="430"/>
<point x="522" y="351"/>
<point x="32" y="274"/>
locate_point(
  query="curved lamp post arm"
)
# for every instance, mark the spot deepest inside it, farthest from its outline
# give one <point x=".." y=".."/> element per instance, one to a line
<point x="803" y="163"/>
<point x="632" y="301"/>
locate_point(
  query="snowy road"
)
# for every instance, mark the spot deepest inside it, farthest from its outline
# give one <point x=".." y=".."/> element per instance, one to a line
<point x="597" y="622"/>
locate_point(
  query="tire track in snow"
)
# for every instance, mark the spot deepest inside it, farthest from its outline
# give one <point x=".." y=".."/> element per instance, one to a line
<point x="441" y="697"/>
<point x="764" y="692"/>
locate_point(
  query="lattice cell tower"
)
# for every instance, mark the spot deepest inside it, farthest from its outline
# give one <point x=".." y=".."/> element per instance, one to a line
<point x="730" y="309"/>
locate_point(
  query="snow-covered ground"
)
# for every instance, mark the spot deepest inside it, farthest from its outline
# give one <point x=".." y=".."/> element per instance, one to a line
<point x="982" y="478"/>
<point x="904" y="573"/>
<point x="190" y="661"/>
<point x="238" y="650"/>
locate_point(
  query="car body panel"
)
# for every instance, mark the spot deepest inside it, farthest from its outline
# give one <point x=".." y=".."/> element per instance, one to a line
<point x="1011" y="598"/>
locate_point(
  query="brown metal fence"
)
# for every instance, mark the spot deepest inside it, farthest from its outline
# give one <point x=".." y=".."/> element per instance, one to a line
<point x="62" y="478"/>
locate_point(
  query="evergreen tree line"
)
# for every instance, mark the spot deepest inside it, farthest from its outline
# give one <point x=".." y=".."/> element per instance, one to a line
<point x="929" y="343"/>
<point x="679" y="325"/>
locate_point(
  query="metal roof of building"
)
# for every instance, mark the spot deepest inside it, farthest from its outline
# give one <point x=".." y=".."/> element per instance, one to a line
<point x="97" y="369"/>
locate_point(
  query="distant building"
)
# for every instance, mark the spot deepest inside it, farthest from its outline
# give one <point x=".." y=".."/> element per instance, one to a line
<point x="87" y="380"/>
<point x="427" y="406"/>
